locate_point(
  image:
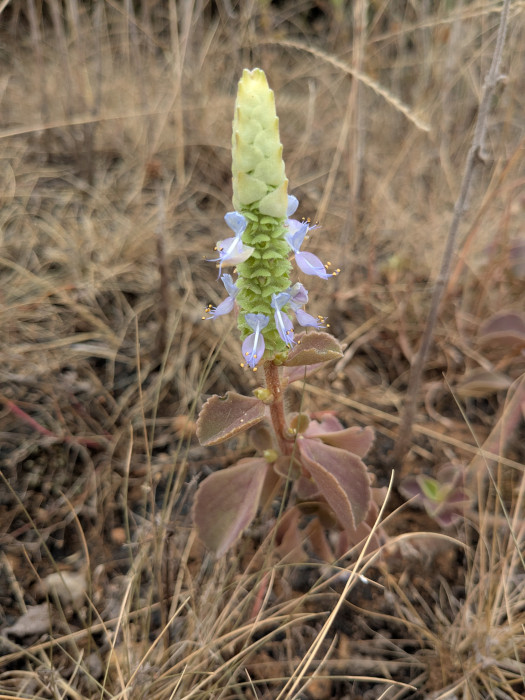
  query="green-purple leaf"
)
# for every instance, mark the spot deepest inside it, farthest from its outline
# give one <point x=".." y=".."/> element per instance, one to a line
<point x="443" y="498"/>
<point x="357" y="440"/>
<point x="313" y="347"/>
<point x="300" y="373"/>
<point x="227" y="502"/>
<point x="271" y="486"/>
<point x="306" y="489"/>
<point x="222" y="417"/>
<point x="341" y="477"/>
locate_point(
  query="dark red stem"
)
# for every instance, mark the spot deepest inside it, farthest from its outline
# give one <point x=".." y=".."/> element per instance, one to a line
<point x="277" y="412"/>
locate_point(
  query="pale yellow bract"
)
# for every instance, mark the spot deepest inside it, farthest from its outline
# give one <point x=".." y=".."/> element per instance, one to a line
<point x="259" y="176"/>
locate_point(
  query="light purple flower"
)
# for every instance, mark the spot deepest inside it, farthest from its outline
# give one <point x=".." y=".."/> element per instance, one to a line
<point x="305" y="319"/>
<point x="298" y="298"/>
<point x="298" y="295"/>
<point x="236" y="221"/>
<point x="253" y="346"/>
<point x="293" y="203"/>
<point x="283" y="322"/>
<point x="297" y="231"/>
<point x="227" y="305"/>
<point x="232" y="251"/>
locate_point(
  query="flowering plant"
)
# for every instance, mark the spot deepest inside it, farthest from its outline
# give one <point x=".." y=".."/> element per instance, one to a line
<point x="320" y="456"/>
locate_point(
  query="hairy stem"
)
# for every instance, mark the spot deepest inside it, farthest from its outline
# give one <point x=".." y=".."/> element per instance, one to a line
<point x="277" y="413"/>
<point x="475" y="155"/>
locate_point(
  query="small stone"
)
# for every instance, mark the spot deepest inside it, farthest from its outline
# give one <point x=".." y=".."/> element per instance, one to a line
<point x="118" y="536"/>
<point x="319" y="688"/>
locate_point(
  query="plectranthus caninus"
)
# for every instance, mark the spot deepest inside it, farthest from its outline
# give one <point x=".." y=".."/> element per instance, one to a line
<point x="265" y="236"/>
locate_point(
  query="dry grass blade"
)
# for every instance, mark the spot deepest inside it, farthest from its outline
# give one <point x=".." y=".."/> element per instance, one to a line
<point x="366" y="80"/>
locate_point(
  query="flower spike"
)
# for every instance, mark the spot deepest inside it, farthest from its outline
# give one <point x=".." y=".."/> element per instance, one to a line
<point x="262" y="234"/>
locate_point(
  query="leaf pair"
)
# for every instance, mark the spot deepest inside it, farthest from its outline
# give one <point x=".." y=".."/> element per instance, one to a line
<point x="228" y="500"/>
<point x="223" y="417"/>
<point x="324" y="465"/>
